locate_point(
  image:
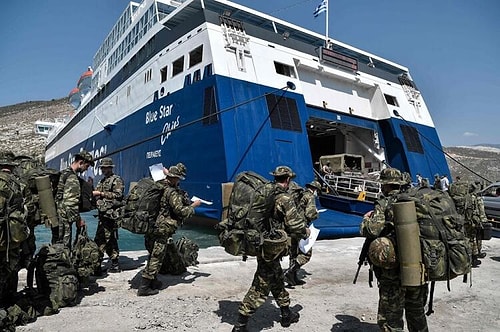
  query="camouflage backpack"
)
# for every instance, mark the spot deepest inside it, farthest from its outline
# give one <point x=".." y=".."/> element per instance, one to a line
<point x="55" y="275"/>
<point x="142" y="206"/>
<point x="13" y="226"/>
<point x="251" y="204"/>
<point x="445" y="248"/>
<point x="87" y="200"/>
<point x="86" y="255"/>
<point x="179" y="255"/>
<point x="466" y="202"/>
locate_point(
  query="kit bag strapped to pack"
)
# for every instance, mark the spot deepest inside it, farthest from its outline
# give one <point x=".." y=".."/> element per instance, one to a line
<point x="55" y="275"/>
<point x="251" y="204"/>
<point x="446" y="251"/>
<point x="86" y="255"/>
<point x="142" y="206"/>
<point x="87" y="199"/>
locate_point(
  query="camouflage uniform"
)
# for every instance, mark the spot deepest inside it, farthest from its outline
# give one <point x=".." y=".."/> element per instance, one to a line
<point x="173" y="212"/>
<point x="309" y="212"/>
<point x="473" y="227"/>
<point x="68" y="199"/>
<point x="269" y="276"/>
<point x="10" y="198"/>
<point x="111" y="189"/>
<point x="393" y="299"/>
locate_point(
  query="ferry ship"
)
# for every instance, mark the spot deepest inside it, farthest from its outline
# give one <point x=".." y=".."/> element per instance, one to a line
<point x="224" y="88"/>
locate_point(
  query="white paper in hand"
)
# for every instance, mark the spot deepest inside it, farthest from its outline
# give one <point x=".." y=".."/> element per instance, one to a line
<point x="156" y="172"/>
<point x="306" y="245"/>
<point x="195" y="198"/>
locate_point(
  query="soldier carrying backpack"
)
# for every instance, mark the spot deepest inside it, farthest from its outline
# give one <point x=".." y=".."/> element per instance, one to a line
<point x="173" y="212"/>
<point x="13" y="230"/>
<point x="282" y="221"/>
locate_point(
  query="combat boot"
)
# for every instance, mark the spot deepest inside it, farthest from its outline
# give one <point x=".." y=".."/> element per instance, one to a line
<point x="290" y="277"/>
<point x="145" y="288"/>
<point x="115" y="266"/>
<point x="156" y="284"/>
<point x="241" y="325"/>
<point x="288" y="317"/>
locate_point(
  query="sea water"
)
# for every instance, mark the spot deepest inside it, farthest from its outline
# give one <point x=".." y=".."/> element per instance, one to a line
<point x="127" y="241"/>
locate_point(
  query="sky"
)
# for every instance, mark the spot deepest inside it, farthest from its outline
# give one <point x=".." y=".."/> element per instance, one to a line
<point x="451" y="48"/>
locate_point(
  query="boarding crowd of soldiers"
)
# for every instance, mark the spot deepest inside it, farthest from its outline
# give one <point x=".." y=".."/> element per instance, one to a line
<point x="294" y="210"/>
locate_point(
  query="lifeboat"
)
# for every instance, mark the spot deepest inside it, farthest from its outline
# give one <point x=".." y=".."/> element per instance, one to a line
<point x="75" y="97"/>
<point x="85" y="82"/>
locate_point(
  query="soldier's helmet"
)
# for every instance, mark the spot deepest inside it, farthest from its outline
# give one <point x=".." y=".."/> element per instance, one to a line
<point x="282" y="171"/>
<point x="382" y="253"/>
<point x="390" y="176"/>
<point x="86" y="156"/>
<point x="314" y="185"/>
<point x="406" y="178"/>
<point x="174" y="172"/>
<point x="106" y="162"/>
<point x="7" y="154"/>
<point x="182" y="168"/>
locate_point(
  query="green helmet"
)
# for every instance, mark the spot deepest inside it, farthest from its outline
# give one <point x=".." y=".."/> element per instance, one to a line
<point x="106" y="162"/>
<point x="282" y="171"/>
<point x="182" y="168"/>
<point x="314" y="185"/>
<point x="174" y="172"/>
<point x="382" y="253"/>
<point x="391" y="176"/>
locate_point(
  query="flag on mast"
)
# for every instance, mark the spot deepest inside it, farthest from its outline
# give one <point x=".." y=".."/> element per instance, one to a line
<point x="321" y="8"/>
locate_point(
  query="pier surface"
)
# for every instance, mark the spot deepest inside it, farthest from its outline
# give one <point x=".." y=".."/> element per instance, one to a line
<point x="206" y="298"/>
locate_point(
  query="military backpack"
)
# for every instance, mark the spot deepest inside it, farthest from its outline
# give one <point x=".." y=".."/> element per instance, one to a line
<point x="179" y="255"/>
<point x="55" y="275"/>
<point x="251" y="205"/>
<point x="142" y="206"/>
<point x="87" y="200"/>
<point x="13" y="226"/>
<point x="445" y="248"/>
<point x="86" y="255"/>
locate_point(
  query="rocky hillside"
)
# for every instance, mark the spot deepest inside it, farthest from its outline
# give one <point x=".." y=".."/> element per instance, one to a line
<point x="17" y="125"/>
<point x="16" y="130"/>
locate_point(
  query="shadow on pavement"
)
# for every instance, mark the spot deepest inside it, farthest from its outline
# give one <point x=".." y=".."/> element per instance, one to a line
<point x="353" y="324"/>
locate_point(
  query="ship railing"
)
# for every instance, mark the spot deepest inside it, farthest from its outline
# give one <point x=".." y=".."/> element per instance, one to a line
<point x="352" y="186"/>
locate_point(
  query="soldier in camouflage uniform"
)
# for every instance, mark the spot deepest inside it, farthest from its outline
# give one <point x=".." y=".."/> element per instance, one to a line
<point x="474" y="225"/>
<point x="173" y="212"/>
<point x="307" y="207"/>
<point x="109" y="194"/>
<point x="393" y="299"/>
<point x="11" y="206"/>
<point x="68" y="198"/>
<point x="269" y="275"/>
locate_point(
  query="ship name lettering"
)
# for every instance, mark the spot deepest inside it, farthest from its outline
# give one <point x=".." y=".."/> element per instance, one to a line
<point x="166" y="110"/>
<point x="151" y="116"/>
<point x="153" y="154"/>
<point x="168" y="127"/>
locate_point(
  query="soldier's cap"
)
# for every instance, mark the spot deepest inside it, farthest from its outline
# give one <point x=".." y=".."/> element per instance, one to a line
<point x="86" y="156"/>
<point x="106" y="162"/>
<point x="282" y="171"/>
<point x="182" y="168"/>
<point x="314" y="185"/>
<point x="391" y="176"/>
<point x="22" y="157"/>
<point x="8" y="162"/>
<point x="173" y="172"/>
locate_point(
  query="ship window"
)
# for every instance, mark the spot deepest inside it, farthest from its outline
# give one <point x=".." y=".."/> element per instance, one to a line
<point x="163" y="73"/>
<point x="283" y="69"/>
<point x="210" y="115"/>
<point x="195" y="56"/>
<point x="196" y="75"/>
<point x="391" y="100"/>
<point x="178" y="66"/>
<point x="283" y="112"/>
<point x="412" y="139"/>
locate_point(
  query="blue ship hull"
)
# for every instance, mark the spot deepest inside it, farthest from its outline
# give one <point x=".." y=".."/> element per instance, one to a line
<point x="215" y="148"/>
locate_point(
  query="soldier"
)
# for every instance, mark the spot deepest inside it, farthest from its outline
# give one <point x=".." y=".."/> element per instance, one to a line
<point x="269" y="275"/>
<point x="173" y="212"/>
<point x="11" y="214"/>
<point x="393" y="299"/>
<point x="109" y="192"/>
<point x="307" y="207"/>
<point x="473" y="229"/>
<point x="68" y="198"/>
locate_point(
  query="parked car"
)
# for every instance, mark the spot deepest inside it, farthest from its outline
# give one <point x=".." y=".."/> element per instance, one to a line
<point x="491" y="199"/>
